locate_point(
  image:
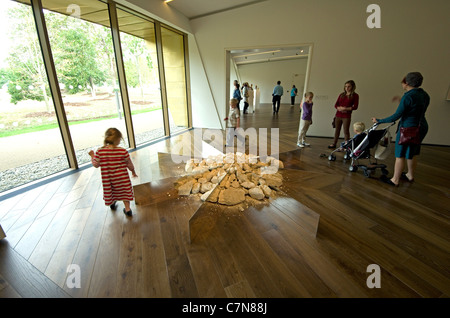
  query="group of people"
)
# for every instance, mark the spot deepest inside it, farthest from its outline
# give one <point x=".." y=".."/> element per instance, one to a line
<point x="245" y="93"/>
<point x="411" y="112"/>
<point x="115" y="161"/>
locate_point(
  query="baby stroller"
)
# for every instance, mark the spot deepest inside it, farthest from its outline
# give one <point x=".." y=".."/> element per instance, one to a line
<point x="359" y="148"/>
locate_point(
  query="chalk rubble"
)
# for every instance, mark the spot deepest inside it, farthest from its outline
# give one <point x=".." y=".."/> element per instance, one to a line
<point x="228" y="179"/>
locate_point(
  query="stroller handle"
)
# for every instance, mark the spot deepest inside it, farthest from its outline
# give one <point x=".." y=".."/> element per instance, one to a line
<point x="375" y="125"/>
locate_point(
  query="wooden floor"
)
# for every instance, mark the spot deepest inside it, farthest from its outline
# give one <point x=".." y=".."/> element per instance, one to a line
<point x="261" y="252"/>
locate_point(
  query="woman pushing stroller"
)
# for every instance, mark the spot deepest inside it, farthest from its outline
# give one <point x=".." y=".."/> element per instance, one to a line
<point x="411" y="112"/>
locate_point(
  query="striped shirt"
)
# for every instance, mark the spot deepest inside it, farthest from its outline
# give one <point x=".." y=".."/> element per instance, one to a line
<point x="113" y="162"/>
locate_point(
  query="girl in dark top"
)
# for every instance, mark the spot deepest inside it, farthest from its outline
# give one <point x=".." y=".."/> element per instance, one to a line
<point x="347" y="102"/>
<point x="411" y="112"/>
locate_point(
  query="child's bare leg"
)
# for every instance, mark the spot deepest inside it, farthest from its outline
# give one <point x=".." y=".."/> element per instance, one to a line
<point x="127" y="209"/>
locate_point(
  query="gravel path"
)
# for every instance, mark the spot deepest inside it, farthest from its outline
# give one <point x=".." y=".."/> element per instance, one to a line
<point x="21" y="175"/>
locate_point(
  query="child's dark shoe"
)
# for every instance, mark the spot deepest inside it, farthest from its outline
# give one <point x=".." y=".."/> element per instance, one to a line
<point x="113" y="206"/>
<point x="127" y="213"/>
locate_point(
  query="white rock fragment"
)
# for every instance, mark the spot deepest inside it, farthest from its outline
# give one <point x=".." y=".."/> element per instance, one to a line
<point x="196" y="188"/>
<point x="248" y="185"/>
<point x="205" y="195"/>
<point x="267" y="191"/>
<point x="256" y="193"/>
<point x="200" y="169"/>
<point x="185" y="189"/>
<point x="215" y="179"/>
<point x="189" y="166"/>
<point x="207" y="186"/>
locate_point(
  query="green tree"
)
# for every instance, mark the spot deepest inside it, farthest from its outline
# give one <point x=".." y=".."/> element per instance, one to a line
<point x="134" y="46"/>
<point x="25" y="74"/>
<point x="74" y="53"/>
<point x="104" y="48"/>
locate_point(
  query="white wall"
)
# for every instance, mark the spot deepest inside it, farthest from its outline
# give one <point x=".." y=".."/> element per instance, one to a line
<point x="204" y="108"/>
<point x="266" y="75"/>
<point x="413" y="37"/>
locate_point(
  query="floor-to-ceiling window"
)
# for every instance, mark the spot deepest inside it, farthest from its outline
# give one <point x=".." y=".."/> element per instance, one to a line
<point x="82" y="48"/>
<point x="53" y="113"/>
<point x="175" y="75"/>
<point x="138" y="43"/>
<point x="30" y="138"/>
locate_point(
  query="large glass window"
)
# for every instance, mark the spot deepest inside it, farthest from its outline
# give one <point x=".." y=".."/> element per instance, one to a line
<point x="175" y="74"/>
<point x="30" y="138"/>
<point x="86" y="68"/>
<point x="81" y="45"/>
<point x="137" y="37"/>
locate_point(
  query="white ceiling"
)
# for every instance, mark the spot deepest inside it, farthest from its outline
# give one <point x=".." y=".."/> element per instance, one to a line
<point x="199" y="8"/>
<point x="272" y="54"/>
<point x="194" y="9"/>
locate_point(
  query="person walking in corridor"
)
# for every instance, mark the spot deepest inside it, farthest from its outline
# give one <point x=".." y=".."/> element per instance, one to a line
<point x="276" y="97"/>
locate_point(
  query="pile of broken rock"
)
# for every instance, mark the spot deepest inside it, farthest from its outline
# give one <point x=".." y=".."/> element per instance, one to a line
<point x="231" y="178"/>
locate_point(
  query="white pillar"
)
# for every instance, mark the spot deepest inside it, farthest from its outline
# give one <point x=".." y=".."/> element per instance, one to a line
<point x="257" y="95"/>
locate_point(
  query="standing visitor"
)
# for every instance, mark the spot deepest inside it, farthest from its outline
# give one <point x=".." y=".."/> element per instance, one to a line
<point x="237" y="94"/>
<point x="294" y="92"/>
<point x="251" y="98"/>
<point x="246" y="95"/>
<point x="306" y="120"/>
<point x="346" y="103"/>
<point x="276" y="97"/>
<point x="411" y="112"/>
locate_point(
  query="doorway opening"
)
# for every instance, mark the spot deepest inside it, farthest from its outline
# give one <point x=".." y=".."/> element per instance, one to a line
<point x="262" y="67"/>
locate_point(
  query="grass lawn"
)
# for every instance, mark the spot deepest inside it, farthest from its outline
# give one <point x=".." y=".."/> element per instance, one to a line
<point x="31" y="116"/>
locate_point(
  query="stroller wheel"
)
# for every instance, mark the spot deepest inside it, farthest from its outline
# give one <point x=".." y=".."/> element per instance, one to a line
<point x="353" y="168"/>
<point x="346" y="156"/>
<point x="367" y="172"/>
<point x="331" y="158"/>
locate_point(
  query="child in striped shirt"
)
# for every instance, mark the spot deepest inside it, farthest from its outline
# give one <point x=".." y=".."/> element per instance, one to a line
<point x="114" y="162"/>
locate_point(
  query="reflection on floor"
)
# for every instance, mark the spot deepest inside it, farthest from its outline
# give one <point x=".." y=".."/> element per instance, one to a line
<point x="204" y="218"/>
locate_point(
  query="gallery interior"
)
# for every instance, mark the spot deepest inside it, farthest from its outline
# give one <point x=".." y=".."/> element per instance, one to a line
<point x="285" y="222"/>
